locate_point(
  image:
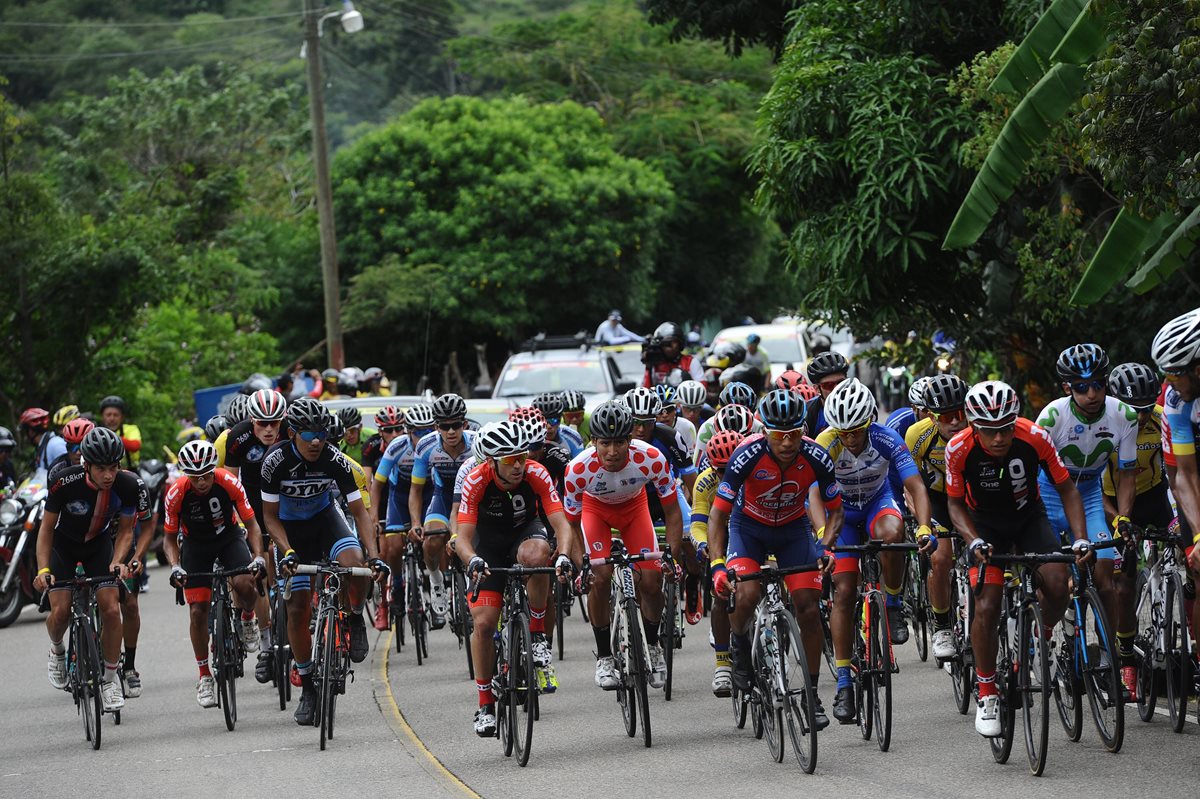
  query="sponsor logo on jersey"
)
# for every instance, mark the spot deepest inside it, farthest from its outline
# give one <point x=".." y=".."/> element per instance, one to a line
<point x="78" y="507"/>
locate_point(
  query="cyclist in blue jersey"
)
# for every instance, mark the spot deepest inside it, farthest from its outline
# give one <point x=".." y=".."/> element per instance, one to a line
<point x="298" y="479"/>
<point x="552" y="407"/>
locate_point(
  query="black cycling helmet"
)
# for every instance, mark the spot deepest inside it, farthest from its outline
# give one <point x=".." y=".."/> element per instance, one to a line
<point x="1135" y="384"/>
<point x="826" y="364"/>
<point x="7" y="441"/>
<point x="255" y="382"/>
<point x="781" y="409"/>
<point x="738" y="394"/>
<point x="102" y="447"/>
<point x="668" y="331"/>
<point x="113" y="401"/>
<point x="215" y="426"/>
<point x="1082" y="361"/>
<point x="551" y="405"/>
<point x="945" y="392"/>
<point x="449" y="407"/>
<point x="238" y="409"/>
<point x="613" y="419"/>
<point x="337" y="430"/>
<point x="573" y="400"/>
<point x="350" y="417"/>
<point x="306" y="414"/>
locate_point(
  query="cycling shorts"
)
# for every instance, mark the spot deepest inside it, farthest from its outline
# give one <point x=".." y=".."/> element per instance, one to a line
<point x="1029" y="534"/>
<point x="751" y="541"/>
<point x="398" y="517"/>
<point x="437" y="511"/>
<point x="1152" y="507"/>
<point x="860" y="522"/>
<point x="630" y="518"/>
<point x="230" y="550"/>
<point x="324" y="536"/>
<point x="1091" y="490"/>
<point x="95" y="555"/>
<point x="499" y="548"/>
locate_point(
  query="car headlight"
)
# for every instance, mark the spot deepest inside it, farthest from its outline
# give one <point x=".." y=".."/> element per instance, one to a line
<point x="10" y="512"/>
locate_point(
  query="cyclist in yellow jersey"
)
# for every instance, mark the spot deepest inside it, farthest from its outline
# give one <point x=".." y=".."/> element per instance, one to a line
<point x="926" y="440"/>
<point x="1137" y="386"/>
<point x="719" y="449"/>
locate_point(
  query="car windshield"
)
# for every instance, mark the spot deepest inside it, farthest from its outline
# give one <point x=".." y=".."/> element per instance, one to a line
<point x="783" y="348"/>
<point x="629" y="363"/>
<point x="524" y="379"/>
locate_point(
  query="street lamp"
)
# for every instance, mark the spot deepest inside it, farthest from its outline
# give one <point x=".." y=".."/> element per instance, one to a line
<point x="314" y="28"/>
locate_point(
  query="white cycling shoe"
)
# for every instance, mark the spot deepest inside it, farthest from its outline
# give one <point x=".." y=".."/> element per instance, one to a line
<point x="943" y="644"/>
<point x="206" y="691"/>
<point x="987" y="717"/>
<point x="111" y="696"/>
<point x="606" y="674"/>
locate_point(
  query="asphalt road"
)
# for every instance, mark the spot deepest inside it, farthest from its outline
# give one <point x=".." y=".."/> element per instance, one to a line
<point x="410" y="735"/>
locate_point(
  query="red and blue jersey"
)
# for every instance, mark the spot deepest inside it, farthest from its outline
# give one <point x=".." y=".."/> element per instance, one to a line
<point x="755" y="484"/>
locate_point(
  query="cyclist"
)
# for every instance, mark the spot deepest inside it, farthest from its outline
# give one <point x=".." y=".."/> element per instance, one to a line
<point x="720" y="448"/>
<point x="824" y="371"/>
<point x="48" y="446"/>
<point x="604" y="493"/>
<point x="730" y="417"/>
<point x="1137" y="386"/>
<point x="669" y="417"/>
<point x="692" y="398"/>
<point x="926" y="440"/>
<point x="759" y="510"/>
<point x="864" y="453"/>
<point x="665" y="360"/>
<point x="552" y="407"/>
<point x="64" y="415"/>
<point x="352" y="423"/>
<point x="903" y="418"/>
<point x="236" y="412"/>
<point x="73" y="433"/>
<point x="298" y="479"/>
<point x="995" y="505"/>
<point x="84" y="507"/>
<point x="499" y="525"/>
<point x="573" y="414"/>
<point x="554" y="457"/>
<point x="206" y="505"/>
<point x="389" y="423"/>
<point x="733" y="395"/>
<point x="393" y="482"/>
<point x="1088" y="427"/>
<point x="113" y="412"/>
<point x="215" y="426"/>
<point x="439" y="453"/>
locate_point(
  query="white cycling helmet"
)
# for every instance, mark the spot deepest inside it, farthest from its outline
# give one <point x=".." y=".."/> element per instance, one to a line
<point x="503" y="438"/>
<point x="691" y="394"/>
<point x="643" y="402"/>
<point x="1177" y="343"/>
<point x="419" y="416"/>
<point x="197" y="458"/>
<point x="992" y="403"/>
<point x="477" y="442"/>
<point x="916" y="392"/>
<point x="267" y="405"/>
<point x="849" y="406"/>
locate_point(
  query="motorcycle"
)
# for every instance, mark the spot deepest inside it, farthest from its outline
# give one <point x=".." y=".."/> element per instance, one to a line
<point x="157" y="477"/>
<point x="20" y="517"/>
<point x="896" y="380"/>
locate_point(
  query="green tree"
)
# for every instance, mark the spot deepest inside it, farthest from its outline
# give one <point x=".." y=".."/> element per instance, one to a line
<point x="735" y="23"/>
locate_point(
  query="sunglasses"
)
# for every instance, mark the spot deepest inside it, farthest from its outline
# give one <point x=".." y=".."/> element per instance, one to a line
<point x="860" y="429"/>
<point x="830" y="385"/>
<point x="651" y="420"/>
<point x="513" y="460"/>
<point x="313" y="435"/>
<point x="950" y="417"/>
<point x="448" y="426"/>
<point x="1008" y="428"/>
<point x="70" y="448"/>
<point x="390" y="430"/>
<point x="552" y="420"/>
<point x="780" y="435"/>
<point x="421" y="431"/>
<point x="266" y="424"/>
<point x="1084" y="386"/>
<point x="572" y="416"/>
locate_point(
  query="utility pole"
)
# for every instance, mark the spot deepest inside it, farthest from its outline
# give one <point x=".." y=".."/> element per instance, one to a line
<point x="320" y="147"/>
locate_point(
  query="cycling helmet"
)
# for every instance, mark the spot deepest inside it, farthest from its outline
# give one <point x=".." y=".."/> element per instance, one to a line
<point x="790" y="379"/>
<point x="35" y="418"/>
<point x="238" y="409"/>
<point x="350" y="417"/>
<point x="189" y="433"/>
<point x="389" y="416"/>
<point x="65" y="414"/>
<point x="255" y="382"/>
<point x="337" y="430"/>
<point x="992" y="403"/>
<point x="807" y="391"/>
<point x="74" y="431"/>
<point x="721" y="446"/>
<point x="113" y="401"/>
<point x="347" y="383"/>
<point x="7" y="442"/>
<point x="668" y="331"/>
<point x="102" y="447"/>
<point x="850" y="406"/>
<point x="1177" y="343"/>
<point x="1135" y="384"/>
<point x="266" y="405"/>
<point x="551" y="405"/>
<point x="476" y="451"/>
<point x="330" y="374"/>
<point x="215" y="426"/>
<point x="691" y="394"/>
<point x="780" y="409"/>
<point x="916" y="392"/>
<point x="419" y="416"/>
<point x="734" y="417"/>
<point x="612" y="420"/>
<point x="826" y="364"/>
<point x="307" y="415"/>
<point x="945" y="392"/>
<point x="665" y="393"/>
<point x="373" y="373"/>
<point x="508" y="437"/>
<point x="573" y="400"/>
<point x="197" y="458"/>
<point x="738" y="394"/>
<point x="534" y="421"/>
<point x="643" y="402"/>
<point x="449" y="407"/>
<point x="1082" y="361"/>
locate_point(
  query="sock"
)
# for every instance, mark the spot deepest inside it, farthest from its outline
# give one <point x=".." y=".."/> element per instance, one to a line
<point x="357" y="609"/>
<point x="1125" y="644"/>
<point x="603" y="640"/>
<point x="486" y="697"/>
<point x="130" y="653"/>
<point x="651" y="628"/>
<point x="537" y="619"/>
<point x="741" y="642"/>
<point x="110" y="672"/>
<point x="812" y="679"/>
<point x="941" y="619"/>
<point x="724" y="657"/>
<point x="303" y="669"/>
<point x="893" y="596"/>
<point x="264" y="638"/>
<point x="987" y="683"/>
<point x="844" y="680"/>
<point x="203" y="666"/>
<point x="58" y="648"/>
<point x="247" y="615"/>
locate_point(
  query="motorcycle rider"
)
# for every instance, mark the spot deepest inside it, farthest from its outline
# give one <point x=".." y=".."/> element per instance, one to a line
<point x="665" y="359"/>
<point x="113" y="412"/>
<point x="48" y="446"/>
<point x="8" y="472"/>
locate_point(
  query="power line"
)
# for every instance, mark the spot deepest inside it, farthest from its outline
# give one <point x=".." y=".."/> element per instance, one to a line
<point x="175" y="24"/>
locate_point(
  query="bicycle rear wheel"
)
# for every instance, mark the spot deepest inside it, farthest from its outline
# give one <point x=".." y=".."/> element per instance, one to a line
<point x="826" y="606"/>
<point x="1102" y="675"/>
<point x="1145" y="647"/>
<point x="1068" y="688"/>
<point x="326" y="646"/>
<point x="962" y="668"/>
<point x="881" y="670"/>
<point x="640" y="671"/>
<point x="417" y="618"/>
<point x="1006" y="686"/>
<point x="1033" y="684"/>
<point x="800" y="697"/>
<point x="524" y="693"/>
<point x="918" y="603"/>
<point x="767" y="701"/>
<point x="1176" y="647"/>
<point x="864" y="691"/>
<point x="666" y="631"/>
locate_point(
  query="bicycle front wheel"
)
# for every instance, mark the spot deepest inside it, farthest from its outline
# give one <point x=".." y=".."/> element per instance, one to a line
<point x="1068" y="688"/>
<point x="666" y="631"/>
<point x="524" y="693"/>
<point x="767" y="701"/>
<point x="326" y="645"/>
<point x="222" y="664"/>
<point x="1006" y="686"/>
<point x="1145" y="647"/>
<point x="1102" y="675"/>
<point x="800" y="698"/>
<point x="87" y="673"/>
<point x="1176" y="651"/>
<point x="282" y="652"/>
<point x="864" y="690"/>
<point x="562" y="606"/>
<point x="1033" y="684"/>
<point x="620" y="649"/>
<point x="640" y="671"/>
<point x="881" y="670"/>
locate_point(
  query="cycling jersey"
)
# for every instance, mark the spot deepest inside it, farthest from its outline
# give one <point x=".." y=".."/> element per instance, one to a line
<point x="361" y="480"/>
<point x="1180" y="420"/>
<point x="928" y="450"/>
<point x="245" y="452"/>
<point x="1149" y="456"/>
<point x="864" y="477"/>
<point x="372" y="452"/>
<point x="396" y="464"/>
<point x="85" y="513"/>
<point x="556" y="459"/>
<point x="304" y="489"/>
<point x="206" y="516"/>
<point x="687" y="433"/>
<point x="568" y="437"/>
<point x="490" y="506"/>
<point x="467" y="467"/>
<point x="901" y="420"/>
<point x="702" y="497"/>
<point x="431" y="457"/>
<point x="1002" y="486"/>
<point x="757" y="486"/>
<point x="1085" y="446"/>
<point x="586" y="476"/>
<point x="219" y="444"/>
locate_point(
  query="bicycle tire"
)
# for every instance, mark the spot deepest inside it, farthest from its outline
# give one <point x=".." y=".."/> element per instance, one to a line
<point x="799" y="702"/>
<point x="825" y="606"/>
<point x="1033" y="681"/>
<point x="1006" y="688"/>
<point x="666" y="632"/>
<point x="524" y="694"/>
<point x="326" y="646"/>
<point x="1068" y="688"/>
<point x="864" y="693"/>
<point x="1176" y="662"/>
<point x="767" y="703"/>
<point x="962" y="671"/>
<point x="1102" y="682"/>
<point x="1145" y="646"/>
<point x="641" y="670"/>
<point x="740" y="707"/>
<point x="562" y="603"/>
<point x="919" y="606"/>
<point x="222" y="665"/>
<point x="281" y="651"/>
<point x="881" y="668"/>
<point x="87" y="671"/>
<point x="620" y="648"/>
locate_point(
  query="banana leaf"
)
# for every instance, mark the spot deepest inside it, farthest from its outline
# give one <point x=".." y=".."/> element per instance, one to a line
<point x="1172" y="255"/>
<point x="1087" y="37"/>
<point x="1032" y="57"/>
<point x="1030" y="123"/>
<point x="1128" y="239"/>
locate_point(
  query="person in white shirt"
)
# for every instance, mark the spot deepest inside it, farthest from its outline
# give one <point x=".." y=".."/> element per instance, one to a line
<point x="611" y="331"/>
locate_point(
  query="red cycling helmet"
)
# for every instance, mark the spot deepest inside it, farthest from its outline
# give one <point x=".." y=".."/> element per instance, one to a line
<point x="790" y="380"/>
<point x="807" y="391"/>
<point x="35" y="417"/>
<point x="528" y="413"/>
<point x="721" y="446"/>
<point x="74" y="430"/>
<point x="389" y="416"/>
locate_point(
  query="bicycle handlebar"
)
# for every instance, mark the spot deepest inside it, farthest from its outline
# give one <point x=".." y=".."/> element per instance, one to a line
<point x="1153" y="534"/>
<point x="222" y="574"/>
<point x="513" y="571"/>
<point x="766" y="572"/>
<point x="335" y="568"/>
<point x="877" y="546"/>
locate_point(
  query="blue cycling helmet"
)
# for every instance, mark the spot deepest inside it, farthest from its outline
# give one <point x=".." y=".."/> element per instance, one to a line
<point x="738" y="394"/>
<point x="665" y="393"/>
<point x="1082" y="361"/>
<point x="781" y="409"/>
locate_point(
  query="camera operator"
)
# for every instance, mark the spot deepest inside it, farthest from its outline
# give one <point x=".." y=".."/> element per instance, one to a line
<point x="665" y="360"/>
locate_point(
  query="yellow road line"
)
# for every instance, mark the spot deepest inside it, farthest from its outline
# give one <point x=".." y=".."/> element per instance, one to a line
<point x="438" y="768"/>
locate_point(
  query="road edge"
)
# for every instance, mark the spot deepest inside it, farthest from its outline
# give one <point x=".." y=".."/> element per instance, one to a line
<point x="386" y="701"/>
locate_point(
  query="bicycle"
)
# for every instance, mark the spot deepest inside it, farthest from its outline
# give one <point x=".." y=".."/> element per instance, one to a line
<point x="514" y="679"/>
<point x="783" y="692"/>
<point x="916" y="595"/>
<point x="564" y="600"/>
<point x="281" y="648"/>
<point x="670" y="624"/>
<point x="228" y="654"/>
<point x="961" y="666"/>
<point x="331" y="644"/>
<point x="1163" y="640"/>
<point x="873" y="662"/>
<point x="414" y="605"/>
<point x="461" y="622"/>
